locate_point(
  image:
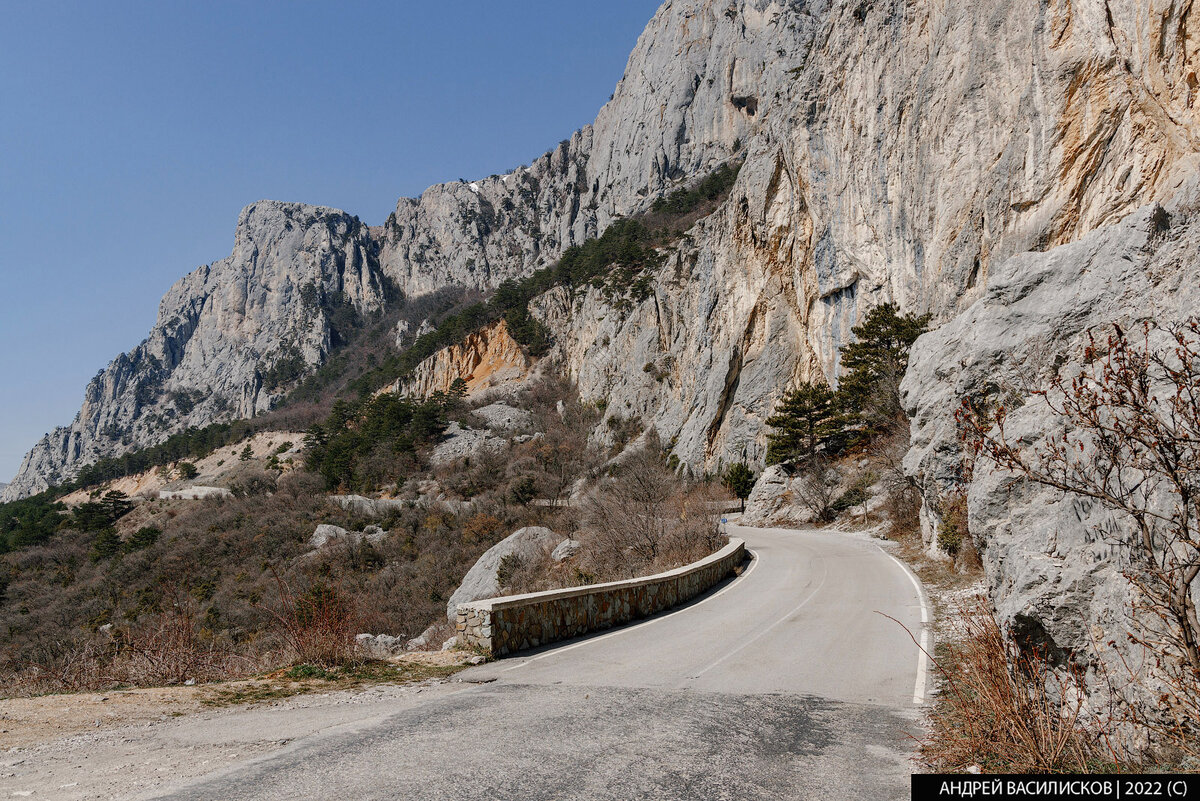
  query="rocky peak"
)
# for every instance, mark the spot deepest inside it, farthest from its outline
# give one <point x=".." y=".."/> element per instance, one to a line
<point x="221" y="332"/>
<point x="687" y="101"/>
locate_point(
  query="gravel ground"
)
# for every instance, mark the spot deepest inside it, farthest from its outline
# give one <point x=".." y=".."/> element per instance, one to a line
<point x="132" y="744"/>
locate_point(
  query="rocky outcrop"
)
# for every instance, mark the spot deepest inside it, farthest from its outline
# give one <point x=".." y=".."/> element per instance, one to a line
<point x="772" y="501"/>
<point x="380" y="646"/>
<point x="194" y="493"/>
<point x="1052" y="577"/>
<point x="487" y="359"/>
<point x="502" y="417"/>
<point x="220" y="332"/>
<point x="565" y="550"/>
<point x="326" y="534"/>
<point x="482" y="580"/>
<point x="369" y="507"/>
<point x="461" y="443"/>
<point x="688" y="98"/>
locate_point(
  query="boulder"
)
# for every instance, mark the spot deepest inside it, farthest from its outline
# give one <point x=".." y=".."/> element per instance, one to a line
<point x="481" y="582"/>
<point x="772" y="502"/>
<point x="374" y="534"/>
<point x="326" y="534"/>
<point x="565" y="550"/>
<point x="380" y="646"/>
<point x="422" y="641"/>
<point x="368" y="507"/>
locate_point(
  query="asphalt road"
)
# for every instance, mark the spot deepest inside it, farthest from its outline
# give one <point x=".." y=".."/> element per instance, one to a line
<point x="784" y="683"/>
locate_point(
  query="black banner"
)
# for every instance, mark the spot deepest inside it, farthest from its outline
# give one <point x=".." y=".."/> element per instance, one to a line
<point x="1100" y="787"/>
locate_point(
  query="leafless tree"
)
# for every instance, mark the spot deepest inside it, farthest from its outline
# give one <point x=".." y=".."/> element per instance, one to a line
<point x="817" y="487"/>
<point x="626" y="512"/>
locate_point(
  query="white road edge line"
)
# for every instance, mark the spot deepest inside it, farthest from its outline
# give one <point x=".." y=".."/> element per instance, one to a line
<point x="768" y="629"/>
<point x="923" y="651"/>
<point x="644" y="623"/>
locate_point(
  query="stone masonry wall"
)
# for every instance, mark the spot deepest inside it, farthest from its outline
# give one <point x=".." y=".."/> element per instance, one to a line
<point x="502" y="625"/>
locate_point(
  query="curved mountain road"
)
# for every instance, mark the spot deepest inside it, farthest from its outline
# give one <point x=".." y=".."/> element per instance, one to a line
<point x="783" y="683"/>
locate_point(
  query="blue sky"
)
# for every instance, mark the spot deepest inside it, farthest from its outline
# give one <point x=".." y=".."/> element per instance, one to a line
<point x="131" y="135"/>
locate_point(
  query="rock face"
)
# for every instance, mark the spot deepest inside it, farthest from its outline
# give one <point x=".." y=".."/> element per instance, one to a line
<point x="488" y="359"/>
<point x="896" y="151"/>
<point x="531" y="542"/>
<point x="1052" y="578"/>
<point x="219" y="333"/>
<point x="893" y="151"/>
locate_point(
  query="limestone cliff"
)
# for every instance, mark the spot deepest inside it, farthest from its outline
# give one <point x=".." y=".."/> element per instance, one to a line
<point x="220" y="331"/>
<point x="1052" y="577"/>
<point x="894" y="151"/>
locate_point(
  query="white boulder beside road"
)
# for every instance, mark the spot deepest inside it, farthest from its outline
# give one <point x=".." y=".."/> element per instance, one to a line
<point x="481" y="581"/>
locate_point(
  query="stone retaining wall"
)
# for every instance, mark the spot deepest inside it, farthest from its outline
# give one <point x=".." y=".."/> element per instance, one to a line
<point x="502" y="625"/>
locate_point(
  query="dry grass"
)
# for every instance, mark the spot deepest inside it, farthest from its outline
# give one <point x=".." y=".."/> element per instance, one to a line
<point x="304" y="679"/>
<point x="1006" y="711"/>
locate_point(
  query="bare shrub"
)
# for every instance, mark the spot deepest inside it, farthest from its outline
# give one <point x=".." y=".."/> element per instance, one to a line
<point x="254" y="482"/>
<point x="902" y="496"/>
<point x="646" y="518"/>
<point x="817" y="488"/>
<point x="319" y="625"/>
<point x="696" y="532"/>
<point x="627" y="518"/>
<point x="173" y="649"/>
<point x="953" y="532"/>
<point x="75" y="665"/>
<point x="1011" y="711"/>
<point x="169" y="649"/>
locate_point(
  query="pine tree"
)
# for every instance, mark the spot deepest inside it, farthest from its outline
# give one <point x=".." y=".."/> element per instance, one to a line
<point x="106" y="544"/>
<point x="739" y="479"/>
<point x="873" y="365"/>
<point x="805" y="419"/>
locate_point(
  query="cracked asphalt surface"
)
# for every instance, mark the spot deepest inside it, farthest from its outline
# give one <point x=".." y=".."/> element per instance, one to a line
<point x="784" y="683"/>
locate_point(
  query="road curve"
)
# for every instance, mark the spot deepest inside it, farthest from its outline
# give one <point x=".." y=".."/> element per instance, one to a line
<point x="787" y="682"/>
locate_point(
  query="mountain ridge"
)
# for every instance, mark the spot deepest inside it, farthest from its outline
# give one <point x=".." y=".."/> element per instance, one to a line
<point x="956" y="142"/>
